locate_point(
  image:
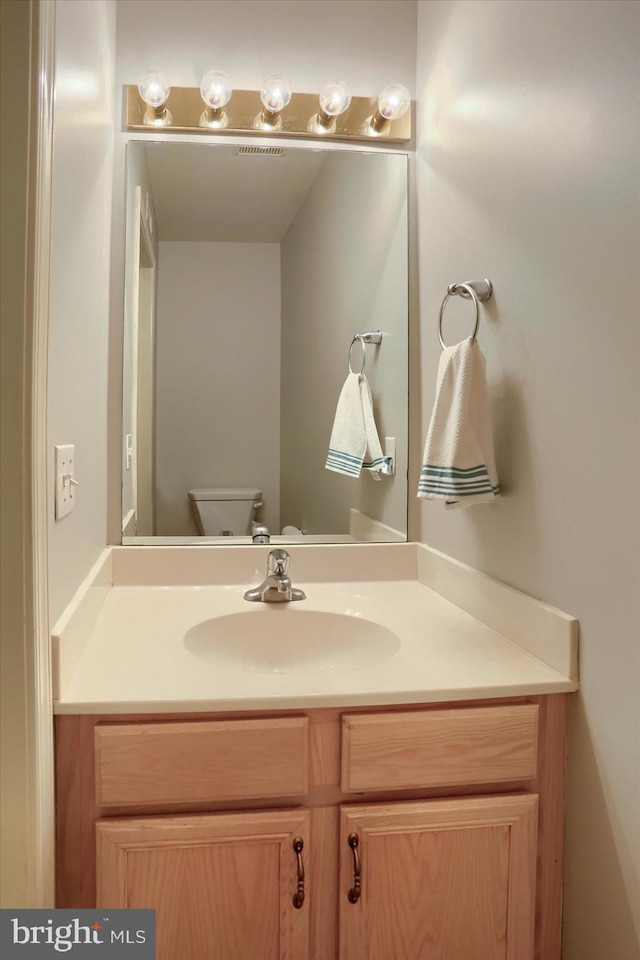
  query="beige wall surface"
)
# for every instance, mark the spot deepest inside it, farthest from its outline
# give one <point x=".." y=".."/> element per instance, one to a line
<point x="79" y="312"/>
<point x="15" y="763"/>
<point x="340" y="278"/>
<point x="218" y="376"/>
<point x="528" y="174"/>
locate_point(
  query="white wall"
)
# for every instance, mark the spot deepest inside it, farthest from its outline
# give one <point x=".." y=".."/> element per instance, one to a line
<point x="218" y="376"/>
<point x="78" y="332"/>
<point x="368" y="43"/>
<point x="310" y="41"/>
<point x="340" y="278"/>
<point x="528" y="174"/>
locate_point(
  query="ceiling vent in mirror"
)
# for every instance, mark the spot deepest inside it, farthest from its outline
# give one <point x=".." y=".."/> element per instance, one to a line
<point x="260" y="152"/>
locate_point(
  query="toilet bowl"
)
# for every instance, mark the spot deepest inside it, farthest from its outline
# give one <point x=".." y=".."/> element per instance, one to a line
<point x="224" y="511"/>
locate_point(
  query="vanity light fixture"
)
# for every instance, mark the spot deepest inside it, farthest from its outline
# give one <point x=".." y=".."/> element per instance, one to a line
<point x="393" y="103"/>
<point x="333" y="114"/>
<point x="275" y="95"/>
<point x="154" y="89"/>
<point x="335" y="98"/>
<point x="215" y="91"/>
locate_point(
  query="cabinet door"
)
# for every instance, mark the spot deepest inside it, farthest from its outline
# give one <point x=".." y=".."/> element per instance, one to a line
<point x="222" y="885"/>
<point x="440" y="879"/>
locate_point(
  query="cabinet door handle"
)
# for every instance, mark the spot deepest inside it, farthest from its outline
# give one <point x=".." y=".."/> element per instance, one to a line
<point x="356" y="889"/>
<point x="298" y="897"/>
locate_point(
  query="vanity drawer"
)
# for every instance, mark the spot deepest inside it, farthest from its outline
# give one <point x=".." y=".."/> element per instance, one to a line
<point x="208" y="761"/>
<point x="434" y="748"/>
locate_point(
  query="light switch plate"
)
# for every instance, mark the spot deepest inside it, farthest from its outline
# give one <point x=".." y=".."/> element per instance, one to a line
<point x="390" y="451"/>
<point x="128" y="442"/>
<point x="65" y="490"/>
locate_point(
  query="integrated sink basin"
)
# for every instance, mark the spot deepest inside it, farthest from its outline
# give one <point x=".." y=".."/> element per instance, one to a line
<point x="282" y="638"/>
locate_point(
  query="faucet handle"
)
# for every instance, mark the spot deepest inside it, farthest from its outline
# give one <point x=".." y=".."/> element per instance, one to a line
<point x="278" y="562"/>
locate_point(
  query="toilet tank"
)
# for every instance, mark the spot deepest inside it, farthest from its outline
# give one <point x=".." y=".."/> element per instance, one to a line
<point x="224" y="511"/>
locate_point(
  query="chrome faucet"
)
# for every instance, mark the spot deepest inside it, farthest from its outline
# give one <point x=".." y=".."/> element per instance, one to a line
<point x="277" y="587"/>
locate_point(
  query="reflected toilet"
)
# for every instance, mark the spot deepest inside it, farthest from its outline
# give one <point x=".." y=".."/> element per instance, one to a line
<point x="224" y="511"/>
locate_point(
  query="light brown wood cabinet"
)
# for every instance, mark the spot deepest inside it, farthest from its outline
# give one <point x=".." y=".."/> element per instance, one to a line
<point x="439" y="879"/>
<point x="222" y="885"/>
<point x="421" y="833"/>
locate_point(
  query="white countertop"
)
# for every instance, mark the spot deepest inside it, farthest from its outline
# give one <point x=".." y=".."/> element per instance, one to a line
<point x="120" y="648"/>
<point x="136" y="655"/>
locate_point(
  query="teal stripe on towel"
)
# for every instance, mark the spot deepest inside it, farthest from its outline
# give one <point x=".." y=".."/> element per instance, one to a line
<point x="479" y="482"/>
<point x="453" y="472"/>
<point x="494" y="490"/>
<point x="454" y="487"/>
<point x="455" y="482"/>
<point x="458" y="470"/>
<point x="424" y="487"/>
<point x="347" y="463"/>
<point x="439" y="491"/>
<point x="449" y="487"/>
<point x="343" y="463"/>
<point x="340" y="455"/>
<point x="462" y="484"/>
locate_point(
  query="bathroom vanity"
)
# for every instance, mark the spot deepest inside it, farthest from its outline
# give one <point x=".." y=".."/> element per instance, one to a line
<point x="311" y="807"/>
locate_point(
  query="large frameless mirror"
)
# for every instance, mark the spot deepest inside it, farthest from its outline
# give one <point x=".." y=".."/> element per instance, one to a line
<point x="249" y="271"/>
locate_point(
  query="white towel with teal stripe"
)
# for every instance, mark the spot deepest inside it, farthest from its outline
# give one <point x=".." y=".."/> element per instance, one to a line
<point x="354" y="445"/>
<point x="458" y="464"/>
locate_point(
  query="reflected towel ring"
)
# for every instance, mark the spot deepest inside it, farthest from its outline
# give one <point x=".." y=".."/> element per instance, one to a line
<point x="476" y="290"/>
<point x="363" y="339"/>
<point x="358" y="339"/>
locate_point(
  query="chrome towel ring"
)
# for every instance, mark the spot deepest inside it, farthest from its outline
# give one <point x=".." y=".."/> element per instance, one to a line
<point x="363" y="339"/>
<point x="477" y="290"/>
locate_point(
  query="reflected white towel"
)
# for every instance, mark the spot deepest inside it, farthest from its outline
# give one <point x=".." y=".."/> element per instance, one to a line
<point x="354" y="445"/>
<point x="458" y="463"/>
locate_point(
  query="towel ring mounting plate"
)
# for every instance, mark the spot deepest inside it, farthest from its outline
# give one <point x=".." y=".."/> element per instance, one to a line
<point x="477" y="290"/>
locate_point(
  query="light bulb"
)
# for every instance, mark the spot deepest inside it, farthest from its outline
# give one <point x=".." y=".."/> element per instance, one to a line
<point x="393" y="103"/>
<point x="275" y="93"/>
<point x="335" y="98"/>
<point x="216" y="89"/>
<point x="154" y="89"/>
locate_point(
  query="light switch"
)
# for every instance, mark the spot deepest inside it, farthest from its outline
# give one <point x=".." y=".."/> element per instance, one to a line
<point x="65" y="480"/>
